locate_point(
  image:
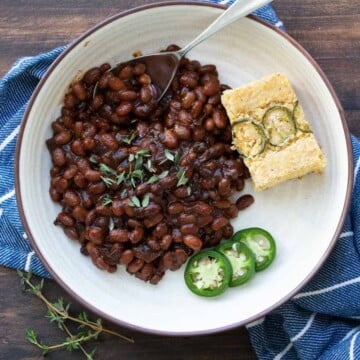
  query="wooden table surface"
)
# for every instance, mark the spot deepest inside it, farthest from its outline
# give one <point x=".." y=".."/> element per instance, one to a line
<point x="328" y="29"/>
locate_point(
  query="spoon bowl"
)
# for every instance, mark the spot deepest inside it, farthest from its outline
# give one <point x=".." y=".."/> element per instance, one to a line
<point x="162" y="67"/>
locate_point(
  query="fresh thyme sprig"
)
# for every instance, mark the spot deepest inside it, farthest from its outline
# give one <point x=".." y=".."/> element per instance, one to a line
<point x="58" y="313"/>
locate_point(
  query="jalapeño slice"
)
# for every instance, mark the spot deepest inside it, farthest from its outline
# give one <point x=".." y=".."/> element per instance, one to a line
<point x="299" y="118"/>
<point x="279" y="123"/>
<point x="249" y="138"/>
<point x="208" y="273"/>
<point x="261" y="243"/>
<point x="241" y="259"/>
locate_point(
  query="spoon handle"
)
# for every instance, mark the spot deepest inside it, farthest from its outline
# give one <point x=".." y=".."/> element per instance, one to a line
<point x="238" y="9"/>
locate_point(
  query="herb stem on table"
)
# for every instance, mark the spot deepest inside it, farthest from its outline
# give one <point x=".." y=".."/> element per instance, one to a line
<point x="58" y="313"/>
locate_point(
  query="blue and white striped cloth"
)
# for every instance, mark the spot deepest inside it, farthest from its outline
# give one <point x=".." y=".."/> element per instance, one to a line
<point x="321" y="322"/>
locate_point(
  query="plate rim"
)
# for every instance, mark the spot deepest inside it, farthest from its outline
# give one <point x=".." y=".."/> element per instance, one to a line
<point x="217" y="329"/>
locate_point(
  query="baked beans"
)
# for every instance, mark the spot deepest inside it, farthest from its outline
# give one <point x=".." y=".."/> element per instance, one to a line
<point x="140" y="183"/>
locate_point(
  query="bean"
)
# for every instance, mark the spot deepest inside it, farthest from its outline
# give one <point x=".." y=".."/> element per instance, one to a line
<point x="124" y="108"/>
<point x="181" y="192"/>
<point x="193" y="242"/>
<point x="232" y="211"/>
<point x="137" y="234"/>
<point x="199" y="134"/>
<point x="144" y="79"/>
<point x="180" y="256"/>
<point x="240" y="184"/>
<point x="189" y="79"/>
<point x="142" y="189"/>
<point x="214" y="100"/>
<point x="175" y="208"/>
<point x="187" y="219"/>
<point x="58" y="157"/>
<point x="118" y="235"/>
<point x="228" y="231"/>
<point x="79" y="180"/>
<point x="222" y="204"/>
<point x="92" y="76"/>
<point x="170" y="139"/>
<point x="224" y="187"/>
<point x="88" y="144"/>
<point x="146" y="272"/>
<point x="209" y="124"/>
<point x="126" y="257"/>
<point x="188" y="100"/>
<point x="62" y="185"/>
<point x="71" y="198"/>
<point x="70" y="101"/>
<point x="184" y="118"/>
<point x="219" y="223"/>
<point x="168" y="182"/>
<point x="196" y="109"/>
<point x="117" y="207"/>
<point x="176" y="235"/>
<point x="168" y="260"/>
<point x="199" y="91"/>
<point x="95" y="235"/>
<point x="79" y="213"/>
<point x="65" y="219"/>
<point x="71" y="233"/>
<point x="244" y="201"/>
<point x="189" y="229"/>
<point x="100" y="263"/>
<point x="220" y="119"/>
<point x="116" y="83"/>
<point x="182" y="132"/>
<point x="201" y="208"/>
<point x="87" y="201"/>
<point x="55" y="195"/>
<point x="145" y="95"/>
<point x="79" y="91"/>
<point x="208" y="69"/>
<point x="150" y="222"/>
<point x="135" y="265"/>
<point x="128" y="95"/>
<point x="208" y="184"/>
<point x="204" y="220"/>
<point x="77" y="147"/>
<point x="126" y="72"/>
<point x="151" y="210"/>
<point x="109" y="141"/>
<point x="211" y="84"/>
<point x="70" y="172"/>
<point x="63" y="137"/>
<point x="92" y="175"/>
<point x="139" y="69"/>
<point x="160" y="230"/>
<point x="97" y="188"/>
<point x="165" y="242"/>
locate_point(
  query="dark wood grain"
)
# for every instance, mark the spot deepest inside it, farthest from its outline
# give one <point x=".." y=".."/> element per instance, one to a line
<point x="328" y="30"/>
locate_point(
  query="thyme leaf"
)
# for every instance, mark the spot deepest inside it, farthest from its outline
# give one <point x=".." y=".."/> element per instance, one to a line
<point x="182" y="179"/>
<point x="106" y="170"/>
<point x="59" y="313"/>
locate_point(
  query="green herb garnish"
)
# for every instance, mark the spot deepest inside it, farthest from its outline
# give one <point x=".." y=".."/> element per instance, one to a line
<point x="59" y="313"/>
<point x="182" y="179"/>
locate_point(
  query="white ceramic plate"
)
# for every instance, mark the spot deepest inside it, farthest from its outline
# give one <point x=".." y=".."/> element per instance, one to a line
<point x="305" y="216"/>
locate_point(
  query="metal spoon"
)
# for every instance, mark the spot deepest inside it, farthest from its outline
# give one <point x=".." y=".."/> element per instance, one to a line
<point x="162" y="66"/>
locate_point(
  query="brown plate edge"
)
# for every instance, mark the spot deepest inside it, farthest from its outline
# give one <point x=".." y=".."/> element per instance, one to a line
<point x="218" y="329"/>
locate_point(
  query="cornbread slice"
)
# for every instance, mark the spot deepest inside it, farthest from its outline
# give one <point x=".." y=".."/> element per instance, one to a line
<point x="270" y="130"/>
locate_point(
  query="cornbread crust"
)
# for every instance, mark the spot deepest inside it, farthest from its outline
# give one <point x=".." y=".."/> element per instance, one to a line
<point x="298" y="156"/>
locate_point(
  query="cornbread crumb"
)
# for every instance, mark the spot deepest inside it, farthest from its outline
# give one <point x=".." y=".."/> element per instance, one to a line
<point x="298" y="155"/>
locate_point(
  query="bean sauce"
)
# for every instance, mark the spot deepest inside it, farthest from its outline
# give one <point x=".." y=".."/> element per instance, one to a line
<point x="144" y="184"/>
